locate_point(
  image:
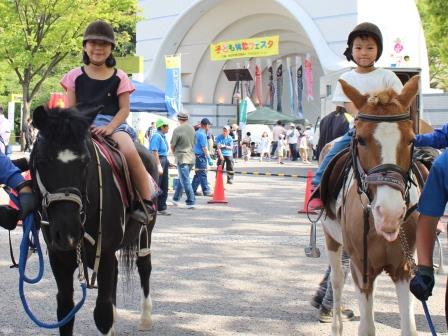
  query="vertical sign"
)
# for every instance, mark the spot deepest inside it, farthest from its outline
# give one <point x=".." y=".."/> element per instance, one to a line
<point x="173" y="88"/>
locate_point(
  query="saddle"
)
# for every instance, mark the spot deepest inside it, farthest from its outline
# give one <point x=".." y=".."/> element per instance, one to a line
<point x="108" y="149"/>
<point x="333" y="179"/>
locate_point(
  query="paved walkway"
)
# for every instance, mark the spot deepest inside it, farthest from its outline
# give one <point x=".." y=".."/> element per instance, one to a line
<point x="236" y="269"/>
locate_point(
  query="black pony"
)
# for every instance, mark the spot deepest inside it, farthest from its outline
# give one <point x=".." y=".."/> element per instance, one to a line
<point x="64" y="161"/>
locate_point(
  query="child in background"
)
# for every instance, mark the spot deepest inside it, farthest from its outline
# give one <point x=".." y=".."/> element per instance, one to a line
<point x="281" y="148"/>
<point x="264" y="146"/>
<point x="245" y="146"/>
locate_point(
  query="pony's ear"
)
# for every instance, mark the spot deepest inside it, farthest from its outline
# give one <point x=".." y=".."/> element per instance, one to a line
<point x="89" y="111"/>
<point x="40" y="116"/>
<point x="354" y="95"/>
<point x="409" y="91"/>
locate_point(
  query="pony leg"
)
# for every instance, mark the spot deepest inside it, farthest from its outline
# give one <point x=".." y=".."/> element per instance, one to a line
<point x="365" y="301"/>
<point x="63" y="274"/>
<point x="337" y="283"/>
<point x="104" y="311"/>
<point x="406" y="306"/>
<point x="144" y="270"/>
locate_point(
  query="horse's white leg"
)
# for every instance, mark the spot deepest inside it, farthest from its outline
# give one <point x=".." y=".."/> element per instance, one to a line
<point x="366" y="324"/>
<point x="146" y="317"/>
<point x="406" y="306"/>
<point x="337" y="282"/>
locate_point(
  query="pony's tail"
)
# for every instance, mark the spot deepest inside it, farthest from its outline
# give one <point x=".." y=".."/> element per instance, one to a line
<point x="127" y="257"/>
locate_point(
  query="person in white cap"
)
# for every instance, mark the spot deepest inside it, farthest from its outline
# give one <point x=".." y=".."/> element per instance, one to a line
<point x="224" y="144"/>
<point x="182" y="143"/>
<point x="292" y="136"/>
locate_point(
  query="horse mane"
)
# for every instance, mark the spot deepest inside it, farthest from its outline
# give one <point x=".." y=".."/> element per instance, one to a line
<point x="65" y="126"/>
<point x="383" y="103"/>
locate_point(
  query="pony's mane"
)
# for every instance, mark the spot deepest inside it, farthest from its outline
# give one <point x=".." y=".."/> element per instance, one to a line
<point x="65" y="126"/>
<point x="383" y="103"/>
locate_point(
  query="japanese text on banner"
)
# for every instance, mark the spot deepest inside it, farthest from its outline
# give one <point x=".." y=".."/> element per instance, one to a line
<point x="253" y="47"/>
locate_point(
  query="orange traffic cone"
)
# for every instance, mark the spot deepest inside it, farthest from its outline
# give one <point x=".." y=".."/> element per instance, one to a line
<point x="309" y="177"/>
<point x="218" y="193"/>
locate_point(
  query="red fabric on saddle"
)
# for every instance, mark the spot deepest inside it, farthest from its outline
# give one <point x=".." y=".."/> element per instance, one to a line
<point x="118" y="165"/>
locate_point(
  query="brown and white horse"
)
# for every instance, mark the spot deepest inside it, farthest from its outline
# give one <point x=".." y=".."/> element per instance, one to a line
<point x="379" y="182"/>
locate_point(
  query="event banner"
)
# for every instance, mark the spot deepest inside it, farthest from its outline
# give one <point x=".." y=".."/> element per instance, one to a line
<point x="251" y="47"/>
<point x="173" y="89"/>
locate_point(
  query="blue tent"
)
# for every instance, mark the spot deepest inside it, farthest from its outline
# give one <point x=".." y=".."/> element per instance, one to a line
<point x="147" y="98"/>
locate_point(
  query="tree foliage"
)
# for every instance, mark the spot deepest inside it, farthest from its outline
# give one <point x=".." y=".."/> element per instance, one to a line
<point x="435" y="23"/>
<point x="37" y="36"/>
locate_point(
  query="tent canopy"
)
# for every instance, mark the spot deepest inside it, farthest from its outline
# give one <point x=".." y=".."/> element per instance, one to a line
<point x="147" y="98"/>
<point x="267" y="116"/>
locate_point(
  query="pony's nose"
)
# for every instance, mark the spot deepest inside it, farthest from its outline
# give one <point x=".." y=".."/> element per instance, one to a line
<point x="389" y="214"/>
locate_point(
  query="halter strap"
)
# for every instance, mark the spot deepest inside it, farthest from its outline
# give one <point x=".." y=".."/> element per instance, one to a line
<point x="383" y="118"/>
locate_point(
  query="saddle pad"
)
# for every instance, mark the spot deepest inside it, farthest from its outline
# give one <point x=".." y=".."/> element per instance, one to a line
<point x="333" y="179"/>
<point x="118" y="165"/>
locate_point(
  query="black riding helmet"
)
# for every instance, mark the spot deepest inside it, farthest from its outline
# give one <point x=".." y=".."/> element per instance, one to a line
<point x="99" y="30"/>
<point x="365" y="28"/>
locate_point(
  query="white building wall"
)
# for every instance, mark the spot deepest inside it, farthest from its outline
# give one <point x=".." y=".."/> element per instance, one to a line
<point x="318" y="27"/>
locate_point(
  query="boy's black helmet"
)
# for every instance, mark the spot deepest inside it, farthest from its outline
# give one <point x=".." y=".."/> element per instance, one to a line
<point x="365" y="28"/>
<point x="99" y="30"/>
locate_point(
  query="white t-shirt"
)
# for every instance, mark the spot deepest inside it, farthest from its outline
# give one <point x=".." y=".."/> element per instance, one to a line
<point x="292" y="136"/>
<point x="374" y="81"/>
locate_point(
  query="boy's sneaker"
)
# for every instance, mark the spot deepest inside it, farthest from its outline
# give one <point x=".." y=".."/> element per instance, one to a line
<point x="176" y="203"/>
<point x="326" y="315"/>
<point x="164" y="213"/>
<point x="189" y="206"/>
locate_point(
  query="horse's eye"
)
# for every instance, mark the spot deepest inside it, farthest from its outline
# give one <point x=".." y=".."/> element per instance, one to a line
<point x="361" y="141"/>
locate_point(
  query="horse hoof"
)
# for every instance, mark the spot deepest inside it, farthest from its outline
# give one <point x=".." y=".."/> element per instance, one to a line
<point x="145" y="324"/>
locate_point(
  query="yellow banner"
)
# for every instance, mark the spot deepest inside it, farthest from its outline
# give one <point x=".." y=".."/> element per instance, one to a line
<point x="251" y="47"/>
<point x="172" y="61"/>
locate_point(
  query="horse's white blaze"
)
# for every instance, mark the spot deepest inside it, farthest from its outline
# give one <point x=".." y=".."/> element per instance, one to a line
<point x="146" y="317"/>
<point x="67" y="156"/>
<point x="406" y="306"/>
<point x="389" y="205"/>
<point x="366" y="323"/>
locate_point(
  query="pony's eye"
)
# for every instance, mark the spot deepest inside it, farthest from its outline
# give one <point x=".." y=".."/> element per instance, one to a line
<point x="361" y="141"/>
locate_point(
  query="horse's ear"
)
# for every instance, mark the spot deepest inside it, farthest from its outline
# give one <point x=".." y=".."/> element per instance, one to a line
<point x="89" y="111"/>
<point x="40" y="115"/>
<point x="409" y="91"/>
<point x="354" y="95"/>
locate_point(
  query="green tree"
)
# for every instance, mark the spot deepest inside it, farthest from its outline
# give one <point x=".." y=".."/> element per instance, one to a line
<point x="36" y="36"/>
<point x="435" y="23"/>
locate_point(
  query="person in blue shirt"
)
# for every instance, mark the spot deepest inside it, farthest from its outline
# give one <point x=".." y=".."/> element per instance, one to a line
<point x="202" y="158"/>
<point x="159" y="148"/>
<point x="11" y="176"/>
<point x="431" y="206"/>
<point x="224" y="145"/>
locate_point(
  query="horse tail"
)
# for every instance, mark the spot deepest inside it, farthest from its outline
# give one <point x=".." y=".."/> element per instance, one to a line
<point x="127" y="257"/>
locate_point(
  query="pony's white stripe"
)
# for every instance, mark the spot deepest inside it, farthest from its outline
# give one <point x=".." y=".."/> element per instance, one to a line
<point x="67" y="156"/>
<point x="406" y="307"/>
<point x="146" y="317"/>
<point x="388" y="135"/>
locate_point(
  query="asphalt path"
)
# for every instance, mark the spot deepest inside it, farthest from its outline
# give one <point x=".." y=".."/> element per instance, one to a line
<point x="235" y="269"/>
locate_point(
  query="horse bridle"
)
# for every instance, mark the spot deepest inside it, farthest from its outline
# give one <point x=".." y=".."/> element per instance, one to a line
<point x="388" y="174"/>
<point x="384" y="174"/>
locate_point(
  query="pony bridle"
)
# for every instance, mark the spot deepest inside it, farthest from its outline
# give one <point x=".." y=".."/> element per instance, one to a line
<point x="387" y="174"/>
<point x="67" y="194"/>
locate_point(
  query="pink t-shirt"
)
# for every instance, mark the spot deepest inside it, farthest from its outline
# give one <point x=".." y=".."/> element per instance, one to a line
<point x="98" y="92"/>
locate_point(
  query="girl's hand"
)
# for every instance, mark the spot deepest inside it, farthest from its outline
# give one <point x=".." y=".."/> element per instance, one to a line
<point x="103" y="130"/>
